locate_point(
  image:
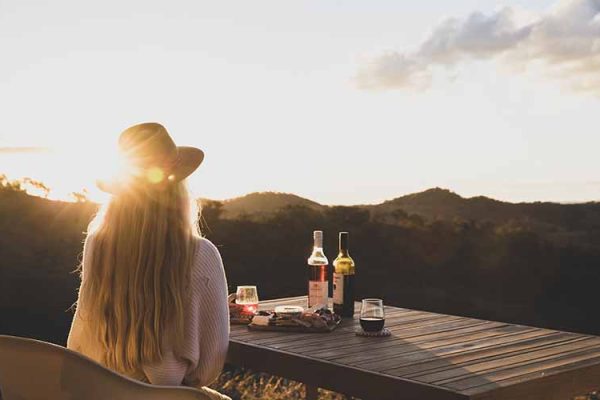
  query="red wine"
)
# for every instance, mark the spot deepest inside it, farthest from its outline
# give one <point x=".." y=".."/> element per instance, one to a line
<point x="372" y="324"/>
<point x="318" y="286"/>
<point x="317" y="273"/>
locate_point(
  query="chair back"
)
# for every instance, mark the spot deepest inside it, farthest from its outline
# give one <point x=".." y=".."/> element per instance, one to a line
<point x="35" y="370"/>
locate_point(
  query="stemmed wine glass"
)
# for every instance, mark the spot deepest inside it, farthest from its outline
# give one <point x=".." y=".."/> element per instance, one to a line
<point x="247" y="296"/>
<point x="372" y="315"/>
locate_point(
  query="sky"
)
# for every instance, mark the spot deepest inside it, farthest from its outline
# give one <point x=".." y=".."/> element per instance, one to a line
<point x="343" y="102"/>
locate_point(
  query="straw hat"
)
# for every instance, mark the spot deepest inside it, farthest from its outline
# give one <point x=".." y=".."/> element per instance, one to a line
<point x="153" y="156"/>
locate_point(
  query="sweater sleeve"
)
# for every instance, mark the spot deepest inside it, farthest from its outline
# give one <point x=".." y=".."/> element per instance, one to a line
<point x="212" y="324"/>
<point x="75" y="333"/>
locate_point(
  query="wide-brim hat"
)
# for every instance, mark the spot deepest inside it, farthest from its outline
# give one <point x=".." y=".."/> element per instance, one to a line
<point x="153" y="158"/>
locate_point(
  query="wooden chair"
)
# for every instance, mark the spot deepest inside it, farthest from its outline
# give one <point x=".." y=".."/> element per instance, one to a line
<point x="35" y="370"/>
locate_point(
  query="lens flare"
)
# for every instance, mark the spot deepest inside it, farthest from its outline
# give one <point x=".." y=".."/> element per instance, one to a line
<point x="155" y="175"/>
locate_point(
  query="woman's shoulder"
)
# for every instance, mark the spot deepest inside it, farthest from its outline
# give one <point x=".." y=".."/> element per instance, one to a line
<point x="90" y="239"/>
<point x="206" y="248"/>
<point x="86" y="254"/>
<point x="207" y="259"/>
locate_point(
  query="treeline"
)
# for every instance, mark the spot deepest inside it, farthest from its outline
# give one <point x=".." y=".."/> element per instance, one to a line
<point x="482" y="269"/>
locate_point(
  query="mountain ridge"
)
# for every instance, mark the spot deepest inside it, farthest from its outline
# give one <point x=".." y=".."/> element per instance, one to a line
<point x="431" y="204"/>
<point x="427" y="193"/>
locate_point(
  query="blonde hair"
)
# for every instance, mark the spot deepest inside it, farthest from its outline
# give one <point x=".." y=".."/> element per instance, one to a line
<point x="136" y="278"/>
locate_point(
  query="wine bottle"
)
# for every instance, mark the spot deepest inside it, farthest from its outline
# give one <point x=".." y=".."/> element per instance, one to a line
<point x="343" y="280"/>
<point x="318" y="283"/>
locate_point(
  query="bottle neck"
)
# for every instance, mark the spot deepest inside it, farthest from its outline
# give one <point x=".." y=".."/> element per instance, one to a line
<point x="344" y="244"/>
<point x="318" y="240"/>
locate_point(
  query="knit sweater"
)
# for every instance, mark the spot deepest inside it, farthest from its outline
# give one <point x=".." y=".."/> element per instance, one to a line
<point x="206" y="326"/>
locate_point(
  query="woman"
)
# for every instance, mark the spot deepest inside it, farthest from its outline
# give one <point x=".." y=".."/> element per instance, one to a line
<point x="153" y="298"/>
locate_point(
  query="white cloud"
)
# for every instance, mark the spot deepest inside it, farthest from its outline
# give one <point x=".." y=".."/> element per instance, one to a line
<point x="564" y="42"/>
<point x="13" y="150"/>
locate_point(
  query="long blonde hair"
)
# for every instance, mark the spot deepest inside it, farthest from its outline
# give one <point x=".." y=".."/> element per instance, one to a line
<point x="135" y="282"/>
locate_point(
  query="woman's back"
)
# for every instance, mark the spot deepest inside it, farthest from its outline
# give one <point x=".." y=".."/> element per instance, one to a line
<point x="206" y="326"/>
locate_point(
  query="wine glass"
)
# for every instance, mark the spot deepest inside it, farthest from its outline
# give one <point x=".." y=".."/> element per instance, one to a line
<point x="247" y="296"/>
<point x="372" y="315"/>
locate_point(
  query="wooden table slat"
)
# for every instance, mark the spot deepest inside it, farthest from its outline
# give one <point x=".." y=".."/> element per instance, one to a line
<point x="514" y="371"/>
<point x="435" y="365"/>
<point x="333" y="346"/>
<point x="550" y="383"/>
<point x="316" y="344"/>
<point x="433" y="353"/>
<point x="350" y="344"/>
<point x="459" y="371"/>
<point x="392" y="343"/>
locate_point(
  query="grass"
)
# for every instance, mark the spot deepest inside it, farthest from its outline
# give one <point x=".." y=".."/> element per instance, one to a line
<point x="242" y="384"/>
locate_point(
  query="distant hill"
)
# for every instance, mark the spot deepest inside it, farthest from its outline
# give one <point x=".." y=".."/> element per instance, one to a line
<point x="264" y="204"/>
<point x="443" y="204"/>
<point x="438" y="204"/>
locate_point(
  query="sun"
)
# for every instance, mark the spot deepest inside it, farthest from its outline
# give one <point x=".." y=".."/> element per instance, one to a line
<point x="76" y="170"/>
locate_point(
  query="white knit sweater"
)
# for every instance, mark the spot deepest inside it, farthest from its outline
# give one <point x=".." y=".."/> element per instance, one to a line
<point x="206" y="326"/>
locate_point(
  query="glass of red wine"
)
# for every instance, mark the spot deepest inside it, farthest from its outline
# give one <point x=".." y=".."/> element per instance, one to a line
<point x="247" y="296"/>
<point x="372" y="315"/>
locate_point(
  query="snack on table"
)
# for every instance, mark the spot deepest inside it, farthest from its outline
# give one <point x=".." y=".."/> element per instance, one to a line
<point x="315" y="318"/>
<point x="262" y="320"/>
<point x="289" y="311"/>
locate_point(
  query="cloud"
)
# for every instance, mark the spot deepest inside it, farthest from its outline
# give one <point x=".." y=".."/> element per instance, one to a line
<point x="564" y="42"/>
<point x="13" y="150"/>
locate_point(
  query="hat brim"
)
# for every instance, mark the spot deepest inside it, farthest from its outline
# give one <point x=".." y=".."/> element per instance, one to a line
<point x="188" y="160"/>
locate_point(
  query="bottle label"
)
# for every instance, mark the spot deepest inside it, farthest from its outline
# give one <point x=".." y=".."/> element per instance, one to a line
<point x="317" y="293"/>
<point x="338" y="288"/>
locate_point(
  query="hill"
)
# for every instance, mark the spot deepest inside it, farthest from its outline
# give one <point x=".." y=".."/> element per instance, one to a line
<point x="444" y="204"/>
<point x="566" y="223"/>
<point x="559" y="222"/>
<point x="264" y="204"/>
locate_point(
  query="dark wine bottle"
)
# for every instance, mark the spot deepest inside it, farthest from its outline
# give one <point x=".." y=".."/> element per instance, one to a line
<point x="343" y="280"/>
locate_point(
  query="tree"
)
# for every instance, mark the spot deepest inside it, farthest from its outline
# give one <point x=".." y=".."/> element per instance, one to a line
<point x="211" y="210"/>
<point x="12" y="185"/>
<point x="36" y="186"/>
<point x="80" y="197"/>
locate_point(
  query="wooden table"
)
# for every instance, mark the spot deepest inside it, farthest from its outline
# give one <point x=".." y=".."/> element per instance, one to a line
<point x="429" y="356"/>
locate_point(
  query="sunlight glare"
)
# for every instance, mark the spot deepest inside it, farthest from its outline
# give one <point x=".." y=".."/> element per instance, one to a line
<point x="155" y="175"/>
